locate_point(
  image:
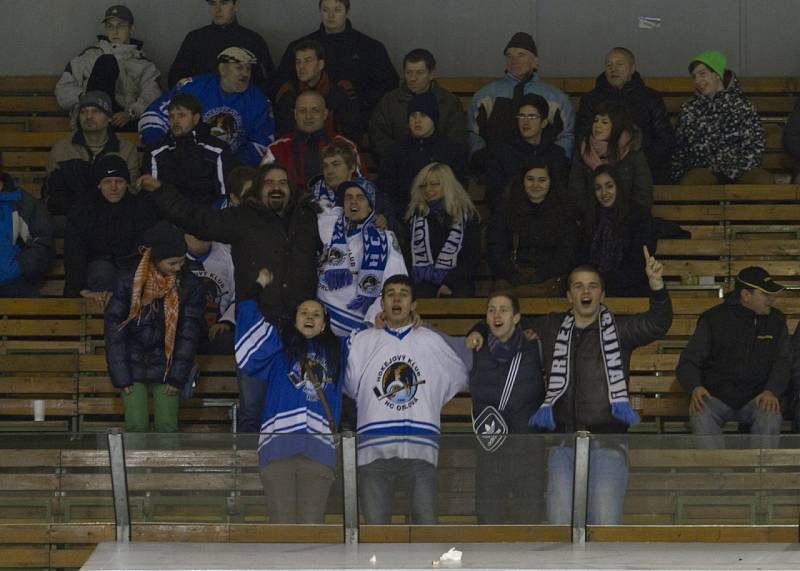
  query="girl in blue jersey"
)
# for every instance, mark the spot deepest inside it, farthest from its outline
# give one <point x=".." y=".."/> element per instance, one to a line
<point x="302" y="367"/>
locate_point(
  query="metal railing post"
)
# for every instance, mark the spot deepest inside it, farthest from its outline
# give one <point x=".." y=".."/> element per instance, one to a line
<point x="350" y="485"/>
<point x="119" y="484"/>
<point x="580" y="487"/>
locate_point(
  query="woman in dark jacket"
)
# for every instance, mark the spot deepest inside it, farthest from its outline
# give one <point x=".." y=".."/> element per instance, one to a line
<point x="614" y="232"/>
<point x="507" y="387"/>
<point x="152" y="325"/>
<point x="444" y="248"/>
<point x="613" y="140"/>
<point x="531" y="242"/>
<point x="103" y="232"/>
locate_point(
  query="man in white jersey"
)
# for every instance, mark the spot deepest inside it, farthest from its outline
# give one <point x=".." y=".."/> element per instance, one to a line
<point x="400" y="377"/>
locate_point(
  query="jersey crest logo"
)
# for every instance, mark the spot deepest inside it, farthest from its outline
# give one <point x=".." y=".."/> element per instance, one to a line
<point x="398" y="383"/>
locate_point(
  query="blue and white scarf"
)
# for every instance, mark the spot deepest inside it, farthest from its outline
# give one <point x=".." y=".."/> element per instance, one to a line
<point x="320" y="190"/>
<point x="423" y="267"/>
<point x="560" y="373"/>
<point x="339" y="265"/>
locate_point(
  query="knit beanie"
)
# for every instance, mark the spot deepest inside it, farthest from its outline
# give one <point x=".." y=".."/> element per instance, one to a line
<point x="523" y="41"/>
<point x="166" y="241"/>
<point x="426" y="103"/>
<point x="536" y="101"/>
<point x="110" y="166"/>
<point x="714" y="60"/>
<point x="365" y="185"/>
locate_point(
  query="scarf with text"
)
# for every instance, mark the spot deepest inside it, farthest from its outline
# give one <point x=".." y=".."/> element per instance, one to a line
<point x="424" y="268"/>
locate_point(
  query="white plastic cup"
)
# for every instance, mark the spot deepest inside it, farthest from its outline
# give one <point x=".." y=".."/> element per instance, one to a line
<point x="38" y="410"/>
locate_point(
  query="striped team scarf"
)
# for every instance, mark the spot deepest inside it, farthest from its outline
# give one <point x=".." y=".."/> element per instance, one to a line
<point x="149" y="285"/>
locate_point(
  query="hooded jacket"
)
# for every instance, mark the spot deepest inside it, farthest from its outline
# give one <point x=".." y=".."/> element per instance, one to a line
<point x="26" y="234"/>
<point x="490" y="116"/>
<point x="137" y="84"/>
<point x="351" y="56"/>
<point x="99" y="230"/>
<point x="722" y="132"/>
<point x="649" y="114"/>
<point x="135" y="353"/>
<point x="69" y="167"/>
<point x="196" y="164"/>
<point x="389" y="122"/>
<point x="736" y="354"/>
<point x="200" y="48"/>
<point x="288" y="244"/>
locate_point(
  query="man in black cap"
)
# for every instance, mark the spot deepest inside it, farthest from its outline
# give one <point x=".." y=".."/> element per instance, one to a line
<point x="117" y="66"/>
<point x="737" y="364"/>
<point x="423" y="146"/>
<point x="199" y="50"/>
<point x="70" y="162"/>
<point x="490" y="117"/>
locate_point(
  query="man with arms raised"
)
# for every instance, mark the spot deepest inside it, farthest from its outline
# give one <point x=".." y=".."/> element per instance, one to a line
<point x="400" y="377"/>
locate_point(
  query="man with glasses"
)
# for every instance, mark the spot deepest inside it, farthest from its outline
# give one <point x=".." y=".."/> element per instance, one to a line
<point x="118" y="67"/>
<point x="533" y="136"/>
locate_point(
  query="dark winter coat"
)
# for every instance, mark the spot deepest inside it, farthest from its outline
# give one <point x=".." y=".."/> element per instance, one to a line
<point x="649" y="114"/>
<point x="350" y="56"/>
<point x="791" y="136"/>
<point x="99" y="230"/>
<point x="736" y="354"/>
<point x="406" y="159"/>
<point x="585" y="405"/>
<point x="506" y="160"/>
<point x="524" y="235"/>
<point x="200" y="48"/>
<point x="287" y="245"/>
<point x="196" y="164"/>
<point x="722" y="132"/>
<point x="135" y="353"/>
<point x="389" y="122"/>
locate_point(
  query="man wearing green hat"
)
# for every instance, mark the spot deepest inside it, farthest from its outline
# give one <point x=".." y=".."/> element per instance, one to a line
<point x="719" y="139"/>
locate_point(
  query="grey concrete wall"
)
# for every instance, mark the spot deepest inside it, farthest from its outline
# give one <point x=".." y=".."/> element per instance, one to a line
<point x="467" y="36"/>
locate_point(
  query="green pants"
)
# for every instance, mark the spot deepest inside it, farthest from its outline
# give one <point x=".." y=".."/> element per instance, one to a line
<point x="137" y="416"/>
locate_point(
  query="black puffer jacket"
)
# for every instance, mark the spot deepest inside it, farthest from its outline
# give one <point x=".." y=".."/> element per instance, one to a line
<point x="585" y="405"/>
<point x="196" y="164"/>
<point x="649" y="114"/>
<point x="135" y="353"/>
<point x="736" y="354"/>
<point x="99" y="230"/>
<point x="287" y="245"/>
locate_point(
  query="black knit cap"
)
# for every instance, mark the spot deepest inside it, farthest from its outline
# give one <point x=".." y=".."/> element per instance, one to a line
<point x="110" y="166"/>
<point x="426" y="103"/>
<point x="536" y="101"/>
<point x="523" y="41"/>
<point x="166" y="241"/>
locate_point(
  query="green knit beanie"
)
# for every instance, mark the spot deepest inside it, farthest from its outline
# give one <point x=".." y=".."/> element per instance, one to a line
<point x="714" y="60"/>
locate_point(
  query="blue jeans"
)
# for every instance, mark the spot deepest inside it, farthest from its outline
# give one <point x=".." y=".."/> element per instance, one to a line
<point x="707" y="424"/>
<point x="608" y="478"/>
<point x="252" y="393"/>
<point x="378" y="480"/>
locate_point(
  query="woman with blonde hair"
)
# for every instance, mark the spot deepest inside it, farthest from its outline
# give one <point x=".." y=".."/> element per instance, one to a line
<point x="444" y="246"/>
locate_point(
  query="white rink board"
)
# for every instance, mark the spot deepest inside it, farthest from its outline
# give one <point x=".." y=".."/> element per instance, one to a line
<point x="420" y="556"/>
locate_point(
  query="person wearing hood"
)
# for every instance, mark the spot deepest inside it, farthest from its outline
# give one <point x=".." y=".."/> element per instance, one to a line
<point x="531" y="243"/>
<point x="490" y="115"/>
<point x="738" y="362"/>
<point x="275" y="227"/>
<point x="389" y="122"/>
<point x="719" y="139"/>
<point x="190" y="157"/>
<point x="356" y="257"/>
<point x="423" y="146"/>
<point x="532" y="137"/>
<point x="152" y="326"/>
<point x="103" y="232"/>
<point x="443" y="248"/>
<point x="621" y="82"/>
<point x="26" y="246"/>
<point x="615" y="141"/>
<point x="118" y="67"/>
<point x="613" y="234"/>
<point x="198" y="52"/>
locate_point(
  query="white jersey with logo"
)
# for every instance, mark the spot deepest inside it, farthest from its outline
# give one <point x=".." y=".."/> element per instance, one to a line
<point x="217" y="278"/>
<point x="400" y="379"/>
